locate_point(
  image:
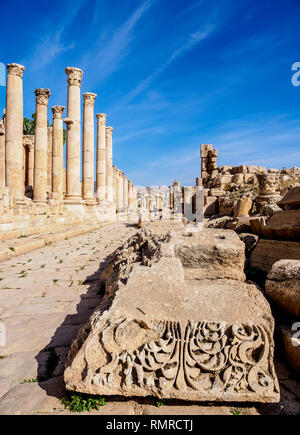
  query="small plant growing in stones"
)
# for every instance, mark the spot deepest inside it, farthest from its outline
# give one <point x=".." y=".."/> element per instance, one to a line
<point x="81" y="402"/>
<point x="235" y="412"/>
<point x="29" y="381"/>
<point x="11" y="249"/>
<point x="160" y="403"/>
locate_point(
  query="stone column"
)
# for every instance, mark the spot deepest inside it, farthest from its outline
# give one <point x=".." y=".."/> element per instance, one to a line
<point x="2" y="155"/>
<point x="49" y="159"/>
<point x="114" y="184"/>
<point x="125" y="192"/>
<point x="198" y="182"/>
<point x="31" y="166"/>
<point x="88" y="171"/>
<point x="118" y="189"/>
<point x="73" y="187"/>
<point x="14" y="130"/>
<point x="57" y="152"/>
<point x="109" y="170"/>
<point x="41" y="147"/>
<point x="121" y="190"/>
<point x="130" y="194"/>
<point x="101" y="157"/>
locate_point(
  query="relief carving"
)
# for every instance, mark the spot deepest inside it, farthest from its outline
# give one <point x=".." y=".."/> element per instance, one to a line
<point x="196" y="356"/>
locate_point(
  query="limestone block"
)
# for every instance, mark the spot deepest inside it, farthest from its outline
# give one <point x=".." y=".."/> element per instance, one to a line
<point x="249" y="178"/>
<point x="238" y="178"/>
<point x="214" y="173"/>
<point x="268" y="252"/>
<point x="217" y="192"/>
<point x="225" y="206"/>
<point x="160" y="335"/>
<point x="213" y="154"/>
<point x="291" y="199"/>
<point x="225" y="169"/>
<point x="243" y="169"/>
<point x="225" y="179"/>
<point x="211" y="254"/>
<point x="212" y="166"/>
<point x="284" y="225"/>
<point x="283" y="285"/>
<point x="291" y="348"/>
<point x="256" y="169"/>
<point x="210" y="205"/>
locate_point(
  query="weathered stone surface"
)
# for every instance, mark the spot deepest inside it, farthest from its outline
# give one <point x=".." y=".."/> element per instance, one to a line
<point x="283" y="285"/>
<point x="242" y="207"/>
<point x="162" y="335"/>
<point x="211" y="254"/>
<point x="284" y="225"/>
<point x="291" y="199"/>
<point x="291" y="348"/>
<point x="267" y="252"/>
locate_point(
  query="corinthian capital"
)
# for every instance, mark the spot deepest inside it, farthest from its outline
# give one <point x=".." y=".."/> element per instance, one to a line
<point x="2" y="129"/>
<point x="42" y="96"/>
<point x="109" y="130"/>
<point x="15" y="69"/>
<point x="57" y="111"/>
<point x="89" y="99"/>
<point x="101" y="117"/>
<point x="74" y="76"/>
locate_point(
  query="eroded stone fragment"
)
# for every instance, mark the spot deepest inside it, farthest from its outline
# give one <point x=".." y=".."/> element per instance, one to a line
<point x="159" y="334"/>
<point x="283" y="285"/>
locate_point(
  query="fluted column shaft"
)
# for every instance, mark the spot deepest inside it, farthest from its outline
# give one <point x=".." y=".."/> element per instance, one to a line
<point x="2" y="155"/>
<point x="88" y="171"/>
<point x="130" y="194"/>
<point x="125" y="191"/>
<point x="121" y="190"/>
<point x="101" y="157"/>
<point x="109" y="170"/>
<point x="73" y="149"/>
<point x="14" y="130"/>
<point x="41" y="147"/>
<point x="49" y="159"/>
<point x="114" y="184"/>
<point x="57" y="152"/>
<point x="31" y="166"/>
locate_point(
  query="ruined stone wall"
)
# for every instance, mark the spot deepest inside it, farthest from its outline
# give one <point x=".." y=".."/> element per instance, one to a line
<point x="225" y="185"/>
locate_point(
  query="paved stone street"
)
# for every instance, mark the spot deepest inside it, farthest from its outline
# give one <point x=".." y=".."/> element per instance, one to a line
<point x="45" y="297"/>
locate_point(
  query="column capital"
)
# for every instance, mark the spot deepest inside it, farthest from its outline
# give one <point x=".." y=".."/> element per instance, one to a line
<point x="74" y="76"/>
<point x="2" y="129"/>
<point x="42" y="96"/>
<point x="15" y="69"/>
<point x="101" y="116"/>
<point x="129" y="183"/>
<point x="68" y="122"/>
<point x="109" y="129"/>
<point x="89" y="99"/>
<point x="57" y="111"/>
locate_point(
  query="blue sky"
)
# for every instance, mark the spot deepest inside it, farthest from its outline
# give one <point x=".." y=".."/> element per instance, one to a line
<point x="170" y="74"/>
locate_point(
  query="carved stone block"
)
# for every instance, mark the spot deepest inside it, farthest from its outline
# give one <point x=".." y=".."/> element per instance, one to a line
<point x="157" y="333"/>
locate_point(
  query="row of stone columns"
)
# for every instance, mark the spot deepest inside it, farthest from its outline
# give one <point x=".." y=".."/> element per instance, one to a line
<point x="111" y="183"/>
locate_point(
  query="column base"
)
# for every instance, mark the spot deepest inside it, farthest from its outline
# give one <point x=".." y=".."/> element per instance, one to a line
<point x="90" y="202"/>
<point x="40" y="203"/>
<point x="122" y="215"/>
<point x="75" y="200"/>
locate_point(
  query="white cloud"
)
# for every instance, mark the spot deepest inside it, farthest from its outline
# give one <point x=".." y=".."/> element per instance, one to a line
<point x="193" y="40"/>
<point x="51" y="45"/>
<point x="109" y="54"/>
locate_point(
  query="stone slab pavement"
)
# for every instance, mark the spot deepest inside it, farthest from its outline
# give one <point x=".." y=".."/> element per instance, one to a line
<point x="46" y="296"/>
